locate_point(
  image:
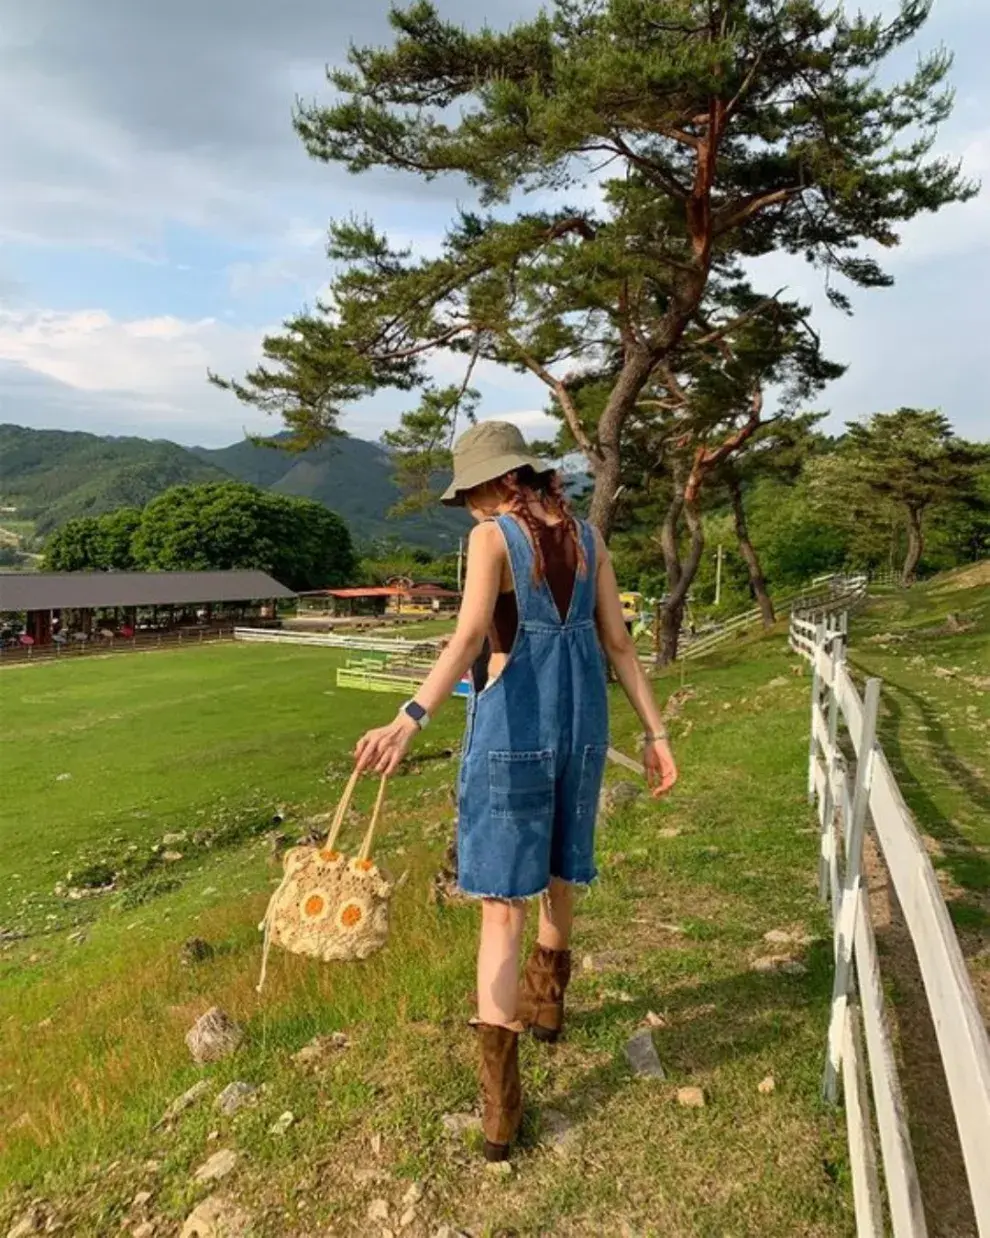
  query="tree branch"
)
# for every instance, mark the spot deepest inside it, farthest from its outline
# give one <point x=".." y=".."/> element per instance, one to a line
<point x="746" y="208"/>
<point x="567" y="405"/>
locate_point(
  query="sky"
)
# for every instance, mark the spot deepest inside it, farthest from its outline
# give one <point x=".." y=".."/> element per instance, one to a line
<point x="158" y="215"/>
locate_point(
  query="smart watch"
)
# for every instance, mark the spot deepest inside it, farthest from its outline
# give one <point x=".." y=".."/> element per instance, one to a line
<point x="414" y="710"/>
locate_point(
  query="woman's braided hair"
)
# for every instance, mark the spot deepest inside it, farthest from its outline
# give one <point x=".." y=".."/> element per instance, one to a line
<point x="521" y="486"/>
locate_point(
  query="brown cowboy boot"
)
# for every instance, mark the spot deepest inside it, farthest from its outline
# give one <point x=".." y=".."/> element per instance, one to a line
<point x="501" y="1088"/>
<point x="541" y="995"/>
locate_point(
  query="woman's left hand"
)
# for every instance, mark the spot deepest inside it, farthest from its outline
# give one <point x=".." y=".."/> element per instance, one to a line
<point x="383" y="748"/>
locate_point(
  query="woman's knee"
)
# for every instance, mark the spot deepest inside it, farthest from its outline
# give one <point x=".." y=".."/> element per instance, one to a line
<point x="501" y="915"/>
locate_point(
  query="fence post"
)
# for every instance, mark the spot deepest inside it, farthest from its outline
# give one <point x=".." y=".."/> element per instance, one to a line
<point x="815" y="689"/>
<point x="827" y="837"/>
<point x="845" y="920"/>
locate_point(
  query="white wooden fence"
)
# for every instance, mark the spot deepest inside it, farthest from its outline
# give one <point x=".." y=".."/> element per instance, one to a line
<point x="846" y="800"/>
<point x="331" y="640"/>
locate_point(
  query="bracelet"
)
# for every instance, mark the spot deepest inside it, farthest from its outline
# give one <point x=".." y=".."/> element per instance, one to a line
<point x="660" y="737"/>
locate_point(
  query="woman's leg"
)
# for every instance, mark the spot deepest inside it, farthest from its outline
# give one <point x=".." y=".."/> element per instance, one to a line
<point x="502" y="925"/>
<point x="556" y="915"/>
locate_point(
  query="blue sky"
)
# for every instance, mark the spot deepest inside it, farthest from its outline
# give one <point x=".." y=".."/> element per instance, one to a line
<point x="159" y="215"/>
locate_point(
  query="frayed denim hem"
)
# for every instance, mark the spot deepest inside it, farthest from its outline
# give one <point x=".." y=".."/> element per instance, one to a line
<point x="527" y="898"/>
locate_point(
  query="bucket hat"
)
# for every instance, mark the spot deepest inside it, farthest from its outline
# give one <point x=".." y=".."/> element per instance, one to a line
<point x="486" y="451"/>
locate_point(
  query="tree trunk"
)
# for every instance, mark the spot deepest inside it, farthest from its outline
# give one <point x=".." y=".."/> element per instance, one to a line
<point x="915" y="547"/>
<point x="748" y="551"/>
<point x="680" y="576"/>
<point x="607" y="465"/>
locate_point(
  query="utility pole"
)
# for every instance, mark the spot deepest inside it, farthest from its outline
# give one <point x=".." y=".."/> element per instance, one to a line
<point x="460" y="564"/>
<point x="718" y="574"/>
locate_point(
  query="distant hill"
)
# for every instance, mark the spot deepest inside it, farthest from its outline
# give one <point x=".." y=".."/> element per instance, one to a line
<point x="51" y="476"/>
<point x="349" y="475"/>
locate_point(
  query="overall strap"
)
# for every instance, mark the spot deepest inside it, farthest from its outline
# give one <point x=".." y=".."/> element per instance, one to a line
<point x="583" y="604"/>
<point x="530" y="598"/>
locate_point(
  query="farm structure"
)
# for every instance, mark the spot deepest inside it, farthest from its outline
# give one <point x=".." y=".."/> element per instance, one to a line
<point x="41" y="610"/>
<point x="398" y="598"/>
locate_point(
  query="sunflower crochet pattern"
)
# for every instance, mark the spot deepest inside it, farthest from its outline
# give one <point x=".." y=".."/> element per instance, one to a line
<point x="329" y="906"/>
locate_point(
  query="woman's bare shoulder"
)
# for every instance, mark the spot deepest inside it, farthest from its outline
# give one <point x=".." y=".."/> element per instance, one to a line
<point x="486" y="539"/>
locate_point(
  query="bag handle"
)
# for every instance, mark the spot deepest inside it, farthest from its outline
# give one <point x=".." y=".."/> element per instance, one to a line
<point x="342" y="807"/>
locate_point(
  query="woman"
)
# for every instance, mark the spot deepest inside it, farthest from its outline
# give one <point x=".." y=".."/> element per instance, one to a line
<point x="541" y="595"/>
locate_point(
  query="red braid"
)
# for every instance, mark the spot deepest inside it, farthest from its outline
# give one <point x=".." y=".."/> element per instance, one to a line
<point x="521" y="487"/>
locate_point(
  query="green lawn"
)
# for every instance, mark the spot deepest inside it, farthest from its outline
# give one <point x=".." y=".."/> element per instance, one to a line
<point x="217" y="742"/>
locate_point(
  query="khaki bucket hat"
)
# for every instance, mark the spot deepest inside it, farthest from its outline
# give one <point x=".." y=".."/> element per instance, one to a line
<point x="486" y="451"/>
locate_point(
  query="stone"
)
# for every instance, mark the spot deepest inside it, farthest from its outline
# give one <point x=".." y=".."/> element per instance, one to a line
<point x="560" y="1132"/>
<point x="460" y="1123"/>
<point x="407" y="1218"/>
<point x="282" y="1123"/>
<point x="146" y="1229"/>
<point x="767" y="1085"/>
<point x="184" y="1102"/>
<point x="378" y="1210"/>
<point x="213" y="1036"/>
<point x="774" y="963"/>
<point x="376" y="1143"/>
<point x="171" y="857"/>
<point x="195" y="950"/>
<point x="140" y="1199"/>
<point x="499" y="1169"/>
<point x="619" y="795"/>
<point x="217" y="1217"/>
<point x="218" y="1166"/>
<point x="691" y="1098"/>
<point x="413" y="1195"/>
<point x="178" y="836"/>
<point x="652" y="1019"/>
<point x="32" y="1221"/>
<point x="642" y="1056"/>
<point x="313" y="1056"/>
<point x="234" y="1096"/>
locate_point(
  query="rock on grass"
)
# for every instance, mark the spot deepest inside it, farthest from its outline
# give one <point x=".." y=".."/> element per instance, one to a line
<point x="234" y="1096"/>
<point x="691" y="1098"/>
<point x="218" y="1166"/>
<point x="217" y="1217"/>
<point x="642" y="1056"/>
<point x="181" y="1103"/>
<point x="214" y="1036"/>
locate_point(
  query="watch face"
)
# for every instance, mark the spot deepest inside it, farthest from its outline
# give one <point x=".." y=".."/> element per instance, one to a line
<point x="416" y="712"/>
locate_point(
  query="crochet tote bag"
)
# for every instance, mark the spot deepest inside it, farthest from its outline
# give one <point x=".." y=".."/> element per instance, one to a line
<point x="330" y="905"/>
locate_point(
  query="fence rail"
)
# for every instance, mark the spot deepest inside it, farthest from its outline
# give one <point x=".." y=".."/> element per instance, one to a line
<point x="330" y="640"/>
<point x="142" y="641"/>
<point x="848" y="793"/>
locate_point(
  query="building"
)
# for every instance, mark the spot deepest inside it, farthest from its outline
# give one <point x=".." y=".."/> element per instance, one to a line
<point x="398" y="598"/>
<point x="39" y="608"/>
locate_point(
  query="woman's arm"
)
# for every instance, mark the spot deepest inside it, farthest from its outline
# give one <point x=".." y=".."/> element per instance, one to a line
<point x="658" y="760"/>
<point x="384" y="747"/>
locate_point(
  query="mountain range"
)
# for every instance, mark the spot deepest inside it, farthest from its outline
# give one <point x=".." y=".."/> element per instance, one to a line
<point x="51" y="476"/>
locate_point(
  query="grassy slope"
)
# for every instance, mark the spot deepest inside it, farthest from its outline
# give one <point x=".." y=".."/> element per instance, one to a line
<point x="165" y="741"/>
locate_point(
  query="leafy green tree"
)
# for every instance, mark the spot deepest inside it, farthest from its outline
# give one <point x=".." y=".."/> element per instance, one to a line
<point x="78" y="546"/>
<point x="228" y="525"/>
<point x="703" y="132"/>
<point x="910" y="460"/>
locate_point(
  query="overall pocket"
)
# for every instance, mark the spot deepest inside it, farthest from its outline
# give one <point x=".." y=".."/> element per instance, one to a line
<point x="520" y="785"/>
<point x="593" y="758"/>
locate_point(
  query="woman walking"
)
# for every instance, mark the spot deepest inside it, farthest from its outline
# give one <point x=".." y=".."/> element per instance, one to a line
<point x="540" y="607"/>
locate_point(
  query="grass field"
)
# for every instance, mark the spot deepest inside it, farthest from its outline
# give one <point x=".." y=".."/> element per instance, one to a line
<point x="219" y="743"/>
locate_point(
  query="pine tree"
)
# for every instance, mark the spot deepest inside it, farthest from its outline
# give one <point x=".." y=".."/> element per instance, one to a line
<point x="666" y="138"/>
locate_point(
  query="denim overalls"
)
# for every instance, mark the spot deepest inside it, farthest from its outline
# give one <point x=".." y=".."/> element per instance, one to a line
<point x="535" y="744"/>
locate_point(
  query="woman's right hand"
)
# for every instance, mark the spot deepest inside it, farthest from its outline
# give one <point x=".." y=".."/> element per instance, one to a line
<point x="659" y="766"/>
